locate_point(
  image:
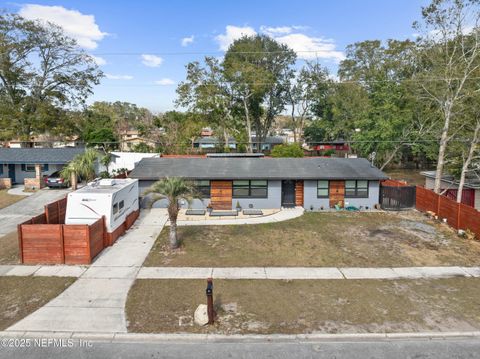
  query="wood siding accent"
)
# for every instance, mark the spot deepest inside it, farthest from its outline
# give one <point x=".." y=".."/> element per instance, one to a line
<point x="299" y="193"/>
<point x="221" y="194"/>
<point x="337" y="193"/>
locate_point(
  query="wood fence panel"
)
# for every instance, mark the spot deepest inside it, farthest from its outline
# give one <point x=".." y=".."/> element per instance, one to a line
<point x="77" y="246"/>
<point x="448" y="209"/>
<point x="426" y="200"/>
<point x="42" y="243"/>
<point x="55" y="211"/>
<point x="96" y="232"/>
<point x="469" y="219"/>
<point x="394" y="183"/>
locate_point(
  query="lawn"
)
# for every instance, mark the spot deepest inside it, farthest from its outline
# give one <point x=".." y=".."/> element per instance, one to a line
<point x="20" y="296"/>
<point x="8" y="199"/>
<point x="334" y="239"/>
<point x="9" y="248"/>
<point x="304" y="306"/>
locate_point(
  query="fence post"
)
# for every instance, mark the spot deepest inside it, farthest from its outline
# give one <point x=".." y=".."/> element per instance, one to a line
<point x="459" y="208"/>
<point x="47" y="214"/>
<point x="20" y="242"/>
<point x="62" y="242"/>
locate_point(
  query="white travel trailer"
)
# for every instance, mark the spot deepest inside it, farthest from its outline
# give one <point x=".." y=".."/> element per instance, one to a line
<point x="112" y="198"/>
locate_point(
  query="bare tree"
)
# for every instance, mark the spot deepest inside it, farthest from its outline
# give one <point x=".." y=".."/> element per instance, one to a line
<point x="449" y="47"/>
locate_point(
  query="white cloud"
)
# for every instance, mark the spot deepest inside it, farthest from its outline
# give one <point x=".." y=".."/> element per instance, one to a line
<point x="118" y="77"/>
<point x="100" y="61"/>
<point x="151" y="60"/>
<point x="165" y="82"/>
<point x="273" y="31"/>
<point x="233" y="33"/>
<point x="309" y="48"/>
<point x="187" y="40"/>
<point x="81" y="27"/>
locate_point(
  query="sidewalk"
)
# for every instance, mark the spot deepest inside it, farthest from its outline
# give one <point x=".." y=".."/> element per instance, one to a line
<point x="127" y="265"/>
<point x="96" y="301"/>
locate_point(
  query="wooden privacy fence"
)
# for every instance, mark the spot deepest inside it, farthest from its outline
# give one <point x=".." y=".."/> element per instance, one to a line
<point x="458" y="215"/>
<point x="46" y="239"/>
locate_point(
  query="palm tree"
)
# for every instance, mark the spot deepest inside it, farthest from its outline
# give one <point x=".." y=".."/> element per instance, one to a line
<point x="82" y="165"/>
<point x="174" y="190"/>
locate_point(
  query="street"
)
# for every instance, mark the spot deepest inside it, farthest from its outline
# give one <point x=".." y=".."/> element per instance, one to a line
<point x="391" y="349"/>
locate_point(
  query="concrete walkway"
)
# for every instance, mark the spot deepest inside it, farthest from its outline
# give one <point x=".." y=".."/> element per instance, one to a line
<point x="284" y="215"/>
<point x="27" y="208"/>
<point x="96" y="301"/>
<point x="17" y="190"/>
<point x="133" y="270"/>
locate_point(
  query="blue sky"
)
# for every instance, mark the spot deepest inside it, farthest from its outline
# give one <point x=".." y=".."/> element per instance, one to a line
<point x="143" y="46"/>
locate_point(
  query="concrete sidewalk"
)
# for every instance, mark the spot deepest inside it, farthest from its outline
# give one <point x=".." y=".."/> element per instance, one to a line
<point x="96" y="301"/>
<point x="125" y="266"/>
<point x="306" y="273"/>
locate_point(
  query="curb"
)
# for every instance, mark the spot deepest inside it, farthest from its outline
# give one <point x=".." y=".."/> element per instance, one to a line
<point x="163" y="337"/>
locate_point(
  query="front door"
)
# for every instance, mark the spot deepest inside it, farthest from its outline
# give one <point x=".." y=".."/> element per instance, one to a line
<point x="288" y="193"/>
<point x="221" y="195"/>
<point x="337" y="193"/>
<point x="11" y="172"/>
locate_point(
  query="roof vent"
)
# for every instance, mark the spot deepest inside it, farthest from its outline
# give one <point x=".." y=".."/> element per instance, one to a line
<point x="108" y="182"/>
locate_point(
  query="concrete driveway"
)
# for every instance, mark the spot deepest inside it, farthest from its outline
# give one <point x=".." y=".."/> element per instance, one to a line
<point x="28" y="207"/>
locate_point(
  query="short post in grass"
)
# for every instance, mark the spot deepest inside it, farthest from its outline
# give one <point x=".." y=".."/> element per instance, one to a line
<point x="210" y="311"/>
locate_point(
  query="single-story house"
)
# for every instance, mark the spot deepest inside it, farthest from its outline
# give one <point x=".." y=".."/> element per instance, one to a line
<point x="29" y="165"/>
<point x="265" y="183"/>
<point x="449" y="187"/>
<point x="128" y="160"/>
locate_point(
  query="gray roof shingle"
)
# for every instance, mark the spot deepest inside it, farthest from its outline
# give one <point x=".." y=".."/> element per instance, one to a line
<point x="256" y="168"/>
<point x="38" y="155"/>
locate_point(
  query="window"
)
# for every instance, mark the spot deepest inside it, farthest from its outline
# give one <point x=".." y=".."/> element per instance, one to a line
<point x="250" y="189"/>
<point x="31" y="168"/>
<point x="356" y="189"/>
<point x="203" y="187"/>
<point x="322" y="189"/>
<point x="115" y="208"/>
<point x="121" y="205"/>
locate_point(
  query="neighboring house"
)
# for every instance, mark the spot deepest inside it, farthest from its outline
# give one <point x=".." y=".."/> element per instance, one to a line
<point x="45" y="141"/>
<point x="449" y="187"/>
<point x="313" y="183"/>
<point x="268" y="143"/>
<point x="29" y="165"/>
<point x="340" y="147"/>
<point x="211" y="142"/>
<point x="131" y="138"/>
<point x="127" y="160"/>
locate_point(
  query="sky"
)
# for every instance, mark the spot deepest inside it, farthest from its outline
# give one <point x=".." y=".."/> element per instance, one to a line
<point x="143" y="46"/>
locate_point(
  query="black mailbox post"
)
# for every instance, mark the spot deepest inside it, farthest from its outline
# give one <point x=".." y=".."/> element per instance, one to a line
<point x="210" y="310"/>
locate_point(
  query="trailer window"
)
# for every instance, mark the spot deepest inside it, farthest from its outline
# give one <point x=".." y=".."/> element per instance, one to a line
<point x="121" y="205"/>
<point x="115" y="208"/>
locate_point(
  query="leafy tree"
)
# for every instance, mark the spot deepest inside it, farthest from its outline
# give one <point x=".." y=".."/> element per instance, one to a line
<point x="315" y="132"/>
<point x="174" y="190"/>
<point x="259" y="69"/>
<point x="287" y="150"/>
<point x="97" y="130"/>
<point x="82" y="165"/>
<point x="41" y="72"/>
<point x="142" y="147"/>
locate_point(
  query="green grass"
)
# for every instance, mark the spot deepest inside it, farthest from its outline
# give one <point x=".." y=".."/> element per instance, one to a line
<point x="303" y="306"/>
<point x="321" y="239"/>
<point x="20" y="296"/>
<point x="8" y="199"/>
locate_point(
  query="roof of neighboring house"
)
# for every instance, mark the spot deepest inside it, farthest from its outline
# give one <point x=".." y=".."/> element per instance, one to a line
<point x="211" y="140"/>
<point x="257" y="168"/>
<point x="469" y="182"/>
<point x="270" y="139"/>
<point x="234" y="154"/>
<point x="39" y="155"/>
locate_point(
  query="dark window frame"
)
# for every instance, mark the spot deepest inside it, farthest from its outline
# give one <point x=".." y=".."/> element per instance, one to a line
<point x="328" y="189"/>
<point x="208" y="189"/>
<point x="250" y="187"/>
<point x="356" y="195"/>
<point x="115" y="208"/>
<point x="121" y="205"/>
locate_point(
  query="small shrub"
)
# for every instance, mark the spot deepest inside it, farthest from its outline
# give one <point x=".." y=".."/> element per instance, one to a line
<point x="287" y="150"/>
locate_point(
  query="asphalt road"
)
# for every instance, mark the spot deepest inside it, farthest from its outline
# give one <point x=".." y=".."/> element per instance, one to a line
<point x="391" y="349"/>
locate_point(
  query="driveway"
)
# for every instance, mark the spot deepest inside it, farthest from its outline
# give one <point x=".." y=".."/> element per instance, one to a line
<point x="28" y="207"/>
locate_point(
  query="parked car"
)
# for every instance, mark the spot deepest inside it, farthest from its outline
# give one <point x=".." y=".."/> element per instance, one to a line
<point x="55" y="180"/>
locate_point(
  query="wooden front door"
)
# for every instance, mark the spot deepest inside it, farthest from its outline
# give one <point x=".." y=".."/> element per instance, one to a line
<point x="337" y="193"/>
<point x="221" y="194"/>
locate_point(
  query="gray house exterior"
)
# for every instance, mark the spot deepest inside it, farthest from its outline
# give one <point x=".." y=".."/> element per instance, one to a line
<point x="269" y="183"/>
